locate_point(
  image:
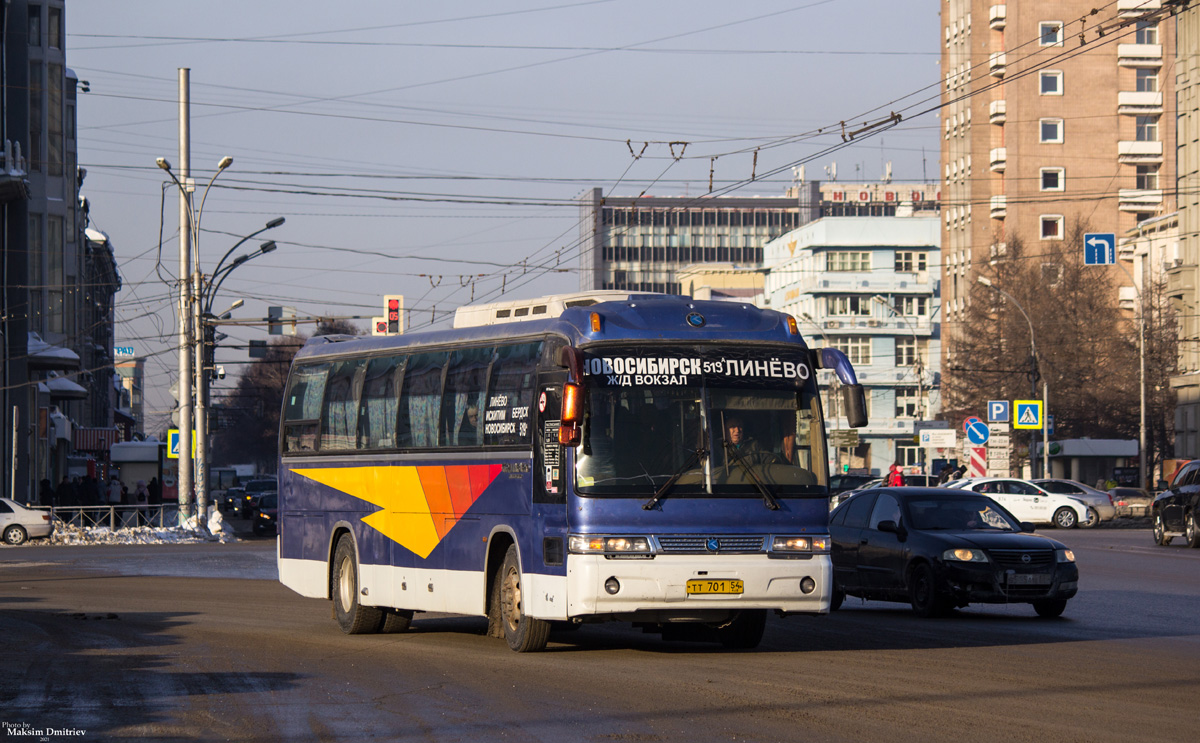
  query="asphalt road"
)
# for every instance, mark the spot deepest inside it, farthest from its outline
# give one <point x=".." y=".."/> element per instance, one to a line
<point x="197" y="642"/>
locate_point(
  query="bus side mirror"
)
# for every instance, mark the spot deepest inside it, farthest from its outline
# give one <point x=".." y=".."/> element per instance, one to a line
<point x="855" y="404"/>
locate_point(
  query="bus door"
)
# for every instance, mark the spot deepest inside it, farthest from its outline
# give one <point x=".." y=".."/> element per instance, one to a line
<point x="549" y="476"/>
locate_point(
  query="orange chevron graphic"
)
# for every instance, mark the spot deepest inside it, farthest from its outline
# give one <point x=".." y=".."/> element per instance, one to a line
<point x="419" y="505"/>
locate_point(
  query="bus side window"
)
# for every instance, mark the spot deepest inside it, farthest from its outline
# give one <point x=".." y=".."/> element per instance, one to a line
<point x="302" y="407"/>
<point x="339" y="414"/>
<point x="420" y="400"/>
<point x="507" y="416"/>
<point x="462" y="400"/>
<point x="379" y="403"/>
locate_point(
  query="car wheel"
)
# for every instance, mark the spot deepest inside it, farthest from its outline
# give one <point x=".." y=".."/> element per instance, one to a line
<point x="15" y="534"/>
<point x="922" y="593"/>
<point x="1160" y="531"/>
<point x="524" y="634"/>
<point x="837" y="597"/>
<point x="352" y="617"/>
<point x="1050" y="608"/>
<point x="1191" y="532"/>
<point x="1093" y="519"/>
<point x="1065" y="518"/>
<point x="745" y="632"/>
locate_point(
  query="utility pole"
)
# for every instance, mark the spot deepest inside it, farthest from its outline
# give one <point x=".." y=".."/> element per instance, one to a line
<point x="185" y="301"/>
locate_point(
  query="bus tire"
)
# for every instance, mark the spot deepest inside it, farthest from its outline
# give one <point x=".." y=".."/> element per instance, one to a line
<point x="396" y="620"/>
<point x="522" y="633"/>
<point x="745" y="632"/>
<point x="351" y="616"/>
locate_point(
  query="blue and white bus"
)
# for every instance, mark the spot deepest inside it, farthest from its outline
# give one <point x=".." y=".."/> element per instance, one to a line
<point x="646" y="458"/>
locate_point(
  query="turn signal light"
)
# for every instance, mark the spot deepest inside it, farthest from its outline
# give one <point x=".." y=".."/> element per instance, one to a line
<point x="596" y="324"/>
<point x="792" y="328"/>
<point x="572" y="403"/>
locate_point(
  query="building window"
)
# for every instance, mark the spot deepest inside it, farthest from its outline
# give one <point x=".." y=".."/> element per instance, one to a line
<point x="914" y="306"/>
<point x="1051" y="273"/>
<point x="1052" y="227"/>
<point x="853" y="306"/>
<point x="908" y="455"/>
<point x="1147" y="80"/>
<point x="906" y="351"/>
<point x="1052" y="179"/>
<point x="908" y="402"/>
<point x="1051" y="82"/>
<point x="909" y="261"/>
<point x="54" y="119"/>
<point x="857" y="349"/>
<point x="1147" y="177"/>
<point x="54" y="28"/>
<point x="35" y="25"/>
<point x="1147" y="128"/>
<point x="1050" y="33"/>
<point x="844" y="260"/>
<point x="1051" y="130"/>
<point x="1147" y="33"/>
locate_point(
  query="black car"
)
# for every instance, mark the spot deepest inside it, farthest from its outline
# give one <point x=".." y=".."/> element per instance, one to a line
<point x="1174" y="510"/>
<point x="939" y="549"/>
<point x="267" y="514"/>
<point x="233" y="498"/>
<point x="253" y="489"/>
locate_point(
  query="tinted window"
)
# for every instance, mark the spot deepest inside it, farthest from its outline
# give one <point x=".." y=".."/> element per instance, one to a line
<point x="339" y="418"/>
<point x="302" y="407"/>
<point x="858" y="509"/>
<point x="379" y="402"/>
<point x="1022" y="488"/>
<point x="420" y="400"/>
<point x="886" y="509"/>
<point x="1060" y="487"/>
<point x="5" y="508"/>
<point x="506" y="416"/>
<point x="462" y="399"/>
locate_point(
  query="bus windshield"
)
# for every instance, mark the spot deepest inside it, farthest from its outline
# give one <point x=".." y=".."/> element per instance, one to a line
<point x="701" y="435"/>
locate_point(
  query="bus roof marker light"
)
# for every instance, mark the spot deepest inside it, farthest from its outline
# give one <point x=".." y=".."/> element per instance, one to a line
<point x="596" y="324"/>
<point x="791" y="326"/>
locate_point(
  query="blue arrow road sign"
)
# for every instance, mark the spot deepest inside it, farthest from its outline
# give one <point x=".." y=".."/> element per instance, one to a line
<point x="1099" y="248"/>
<point x="998" y="411"/>
<point x="978" y="433"/>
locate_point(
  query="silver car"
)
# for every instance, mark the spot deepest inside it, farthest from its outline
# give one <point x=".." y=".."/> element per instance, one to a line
<point x="18" y="523"/>
<point x="1097" y="499"/>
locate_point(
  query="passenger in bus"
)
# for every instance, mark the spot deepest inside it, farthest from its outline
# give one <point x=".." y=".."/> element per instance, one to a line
<point x="469" y="425"/>
<point x="788" y="449"/>
<point x="741" y="445"/>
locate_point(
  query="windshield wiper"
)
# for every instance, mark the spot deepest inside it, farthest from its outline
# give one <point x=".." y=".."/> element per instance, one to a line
<point x="698" y="455"/>
<point x="768" y="498"/>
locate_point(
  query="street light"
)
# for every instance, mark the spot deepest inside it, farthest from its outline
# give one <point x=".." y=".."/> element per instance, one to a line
<point x="1033" y="375"/>
<point x="191" y="327"/>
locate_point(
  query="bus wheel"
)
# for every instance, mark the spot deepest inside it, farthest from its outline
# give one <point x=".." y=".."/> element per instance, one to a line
<point x="745" y="631"/>
<point x="396" y="620"/>
<point x="352" y="617"/>
<point x="523" y="634"/>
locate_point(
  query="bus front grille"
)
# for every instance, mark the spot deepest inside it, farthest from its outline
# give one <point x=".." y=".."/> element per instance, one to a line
<point x="687" y="543"/>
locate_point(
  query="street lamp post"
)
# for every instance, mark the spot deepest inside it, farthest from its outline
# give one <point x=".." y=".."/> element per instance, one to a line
<point x="190" y="318"/>
<point x="918" y="365"/>
<point x="1033" y="375"/>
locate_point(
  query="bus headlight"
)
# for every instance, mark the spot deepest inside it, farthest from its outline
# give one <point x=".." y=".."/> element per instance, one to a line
<point x="610" y="546"/>
<point x="798" y="545"/>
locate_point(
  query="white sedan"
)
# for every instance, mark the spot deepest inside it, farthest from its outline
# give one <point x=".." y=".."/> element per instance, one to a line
<point x="1030" y="503"/>
<point x="18" y="523"/>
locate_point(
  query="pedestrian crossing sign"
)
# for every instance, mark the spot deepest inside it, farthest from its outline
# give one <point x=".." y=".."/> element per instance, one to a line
<point x="1028" y="414"/>
<point x="173" y="443"/>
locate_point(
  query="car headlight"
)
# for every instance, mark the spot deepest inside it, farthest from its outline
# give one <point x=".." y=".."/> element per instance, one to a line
<point x="609" y="546"/>
<point x="965" y="555"/>
<point x="1065" y="555"/>
<point x="800" y="544"/>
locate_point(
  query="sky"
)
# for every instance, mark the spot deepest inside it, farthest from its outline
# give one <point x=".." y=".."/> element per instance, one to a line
<point x="436" y="150"/>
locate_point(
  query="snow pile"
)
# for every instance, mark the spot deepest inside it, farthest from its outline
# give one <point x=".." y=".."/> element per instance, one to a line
<point x="67" y="534"/>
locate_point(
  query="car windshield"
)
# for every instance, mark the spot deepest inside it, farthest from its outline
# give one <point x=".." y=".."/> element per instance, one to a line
<point x="1055" y="486"/>
<point x="725" y="441"/>
<point x="268" y="501"/>
<point x="256" y="486"/>
<point x="954" y="514"/>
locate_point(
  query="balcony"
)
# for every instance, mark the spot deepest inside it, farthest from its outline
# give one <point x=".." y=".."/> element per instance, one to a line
<point x="998" y="111"/>
<point x="1127" y="297"/>
<point x="999" y="206"/>
<point x="998" y="159"/>
<point x="1139" y="199"/>
<point x="997" y="16"/>
<point x="1139" y="55"/>
<point x="1139" y="152"/>
<point x="998" y="64"/>
<point x="1134" y="103"/>
<point x="1132" y="8"/>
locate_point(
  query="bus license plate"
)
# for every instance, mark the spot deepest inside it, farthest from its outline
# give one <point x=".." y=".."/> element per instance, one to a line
<point x="715" y="586"/>
<point x="1029" y="579"/>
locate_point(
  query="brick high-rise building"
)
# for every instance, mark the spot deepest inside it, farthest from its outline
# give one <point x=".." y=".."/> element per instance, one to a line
<point x="1040" y="130"/>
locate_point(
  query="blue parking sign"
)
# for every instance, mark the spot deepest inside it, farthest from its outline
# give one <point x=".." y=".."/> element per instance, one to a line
<point x="998" y="411"/>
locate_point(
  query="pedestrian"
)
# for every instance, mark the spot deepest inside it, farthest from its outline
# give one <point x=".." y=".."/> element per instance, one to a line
<point x="960" y="473"/>
<point x="62" y="495"/>
<point x="142" y="498"/>
<point x="895" y="477"/>
<point x="155" y="489"/>
<point x="45" y="493"/>
<point x="945" y="475"/>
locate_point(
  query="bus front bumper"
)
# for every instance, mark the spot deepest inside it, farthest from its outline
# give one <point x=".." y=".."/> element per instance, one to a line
<point x="662" y="584"/>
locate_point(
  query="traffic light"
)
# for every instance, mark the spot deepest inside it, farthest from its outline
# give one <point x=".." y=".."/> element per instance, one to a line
<point x="392" y="322"/>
